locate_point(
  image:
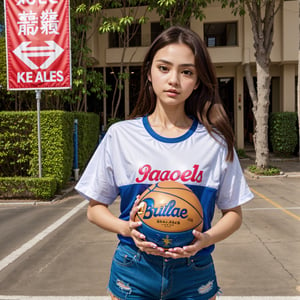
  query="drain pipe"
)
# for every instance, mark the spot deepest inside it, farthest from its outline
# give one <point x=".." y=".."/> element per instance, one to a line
<point x="75" y="143"/>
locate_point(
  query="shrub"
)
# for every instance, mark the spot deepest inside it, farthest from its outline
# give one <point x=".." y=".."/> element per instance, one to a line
<point x="283" y="132"/>
<point x="270" y="171"/>
<point x="19" y="150"/>
<point x="14" y="143"/>
<point x="56" y="144"/>
<point x="88" y="136"/>
<point x="241" y="153"/>
<point x="22" y="187"/>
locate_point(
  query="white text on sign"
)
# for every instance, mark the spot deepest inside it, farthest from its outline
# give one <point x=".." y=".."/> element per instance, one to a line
<point x="40" y="76"/>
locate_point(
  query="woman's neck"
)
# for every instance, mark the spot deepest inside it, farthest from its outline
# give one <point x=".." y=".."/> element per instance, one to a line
<point x="169" y="124"/>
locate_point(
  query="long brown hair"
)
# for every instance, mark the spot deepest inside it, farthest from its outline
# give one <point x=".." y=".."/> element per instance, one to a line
<point x="204" y="103"/>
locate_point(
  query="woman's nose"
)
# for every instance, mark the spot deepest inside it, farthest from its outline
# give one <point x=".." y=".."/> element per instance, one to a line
<point x="174" y="78"/>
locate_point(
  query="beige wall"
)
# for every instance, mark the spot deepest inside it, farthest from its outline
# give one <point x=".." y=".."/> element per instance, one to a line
<point x="285" y="49"/>
<point x="229" y="61"/>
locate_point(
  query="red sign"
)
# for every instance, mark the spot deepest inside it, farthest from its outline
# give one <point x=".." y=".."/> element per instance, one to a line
<point x="38" y="44"/>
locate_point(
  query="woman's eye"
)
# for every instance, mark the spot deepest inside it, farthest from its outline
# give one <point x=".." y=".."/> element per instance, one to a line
<point x="187" y="72"/>
<point x="163" y="68"/>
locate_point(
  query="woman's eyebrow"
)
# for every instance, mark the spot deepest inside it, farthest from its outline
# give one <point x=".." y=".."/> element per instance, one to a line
<point x="170" y="63"/>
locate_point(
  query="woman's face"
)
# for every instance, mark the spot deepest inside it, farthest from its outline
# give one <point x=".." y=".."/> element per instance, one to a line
<point x="173" y="74"/>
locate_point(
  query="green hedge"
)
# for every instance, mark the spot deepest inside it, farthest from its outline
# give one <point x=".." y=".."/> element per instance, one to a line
<point x="22" y="187"/>
<point x="283" y="132"/>
<point x="88" y="136"/>
<point x="15" y="146"/>
<point x="56" y="144"/>
<point x="19" y="147"/>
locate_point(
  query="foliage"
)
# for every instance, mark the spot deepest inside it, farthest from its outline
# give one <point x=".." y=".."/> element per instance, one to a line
<point x="270" y="171"/>
<point x="56" y="144"/>
<point x="85" y="80"/>
<point x="14" y="143"/>
<point x="2" y="64"/>
<point x="19" y="147"/>
<point x="111" y="121"/>
<point x="283" y="132"/>
<point x="241" y="153"/>
<point x="132" y="14"/>
<point x="22" y="187"/>
<point x="238" y="7"/>
<point x="88" y="136"/>
<point x="174" y="12"/>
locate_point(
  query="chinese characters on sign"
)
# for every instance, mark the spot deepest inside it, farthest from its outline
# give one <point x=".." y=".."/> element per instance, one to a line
<point x="38" y="44"/>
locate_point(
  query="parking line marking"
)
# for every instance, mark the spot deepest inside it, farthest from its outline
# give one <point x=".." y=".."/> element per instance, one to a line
<point x="276" y="204"/>
<point x="270" y="208"/>
<point x="26" y="246"/>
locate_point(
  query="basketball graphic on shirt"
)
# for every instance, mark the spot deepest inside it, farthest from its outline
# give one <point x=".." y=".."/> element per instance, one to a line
<point x="169" y="211"/>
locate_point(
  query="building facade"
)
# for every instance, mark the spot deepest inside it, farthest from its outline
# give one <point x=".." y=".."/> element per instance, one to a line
<point x="230" y="42"/>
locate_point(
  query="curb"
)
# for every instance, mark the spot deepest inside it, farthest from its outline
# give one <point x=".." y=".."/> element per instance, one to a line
<point x="283" y="175"/>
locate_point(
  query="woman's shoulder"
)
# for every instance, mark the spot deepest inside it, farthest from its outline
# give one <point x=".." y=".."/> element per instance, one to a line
<point x="125" y="125"/>
<point x="214" y="136"/>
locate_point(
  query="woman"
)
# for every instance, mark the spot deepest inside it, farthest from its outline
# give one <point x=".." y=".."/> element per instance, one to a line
<point x="178" y="123"/>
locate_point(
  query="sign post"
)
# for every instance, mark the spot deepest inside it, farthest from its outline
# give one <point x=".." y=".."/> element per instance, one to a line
<point x="38" y="109"/>
<point x="38" y="47"/>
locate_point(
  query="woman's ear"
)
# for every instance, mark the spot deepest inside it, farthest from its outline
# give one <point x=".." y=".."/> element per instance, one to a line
<point x="149" y="77"/>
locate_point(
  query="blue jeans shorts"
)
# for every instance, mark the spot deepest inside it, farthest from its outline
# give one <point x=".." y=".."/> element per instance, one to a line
<point x="137" y="275"/>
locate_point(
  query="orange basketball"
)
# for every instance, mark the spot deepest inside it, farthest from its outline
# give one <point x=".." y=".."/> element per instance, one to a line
<point x="169" y="211"/>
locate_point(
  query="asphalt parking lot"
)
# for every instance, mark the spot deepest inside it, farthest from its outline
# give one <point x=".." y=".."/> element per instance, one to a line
<point x="50" y="251"/>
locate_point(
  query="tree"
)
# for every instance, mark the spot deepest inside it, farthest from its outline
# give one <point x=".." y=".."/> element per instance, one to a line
<point x="178" y="12"/>
<point x="261" y="14"/>
<point x="126" y="26"/>
<point x="85" y="80"/>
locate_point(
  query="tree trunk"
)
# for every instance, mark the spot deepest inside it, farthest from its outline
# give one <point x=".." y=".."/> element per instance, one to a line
<point x="251" y="87"/>
<point x="262" y="14"/>
<point x="262" y="114"/>
<point x="120" y="88"/>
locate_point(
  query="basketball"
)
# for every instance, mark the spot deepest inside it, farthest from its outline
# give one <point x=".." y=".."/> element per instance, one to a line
<point x="169" y="211"/>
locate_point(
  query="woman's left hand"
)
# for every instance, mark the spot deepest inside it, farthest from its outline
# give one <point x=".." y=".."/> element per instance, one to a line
<point x="201" y="241"/>
<point x="229" y="223"/>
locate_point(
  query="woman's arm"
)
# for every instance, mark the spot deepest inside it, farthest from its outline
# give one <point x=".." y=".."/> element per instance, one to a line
<point x="100" y="215"/>
<point x="227" y="225"/>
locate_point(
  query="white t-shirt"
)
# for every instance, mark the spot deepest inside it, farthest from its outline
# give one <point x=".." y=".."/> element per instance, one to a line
<point x="132" y="157"/>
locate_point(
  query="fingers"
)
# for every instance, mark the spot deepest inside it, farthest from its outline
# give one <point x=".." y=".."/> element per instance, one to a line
<point x="189" y="250"/>
<point x="136" y="207"/>
<point x="186" y="251"/>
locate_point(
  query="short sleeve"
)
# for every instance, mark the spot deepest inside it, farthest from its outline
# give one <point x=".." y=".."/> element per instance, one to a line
<point x="234" y="190"/>
<point x="97" y="181"/>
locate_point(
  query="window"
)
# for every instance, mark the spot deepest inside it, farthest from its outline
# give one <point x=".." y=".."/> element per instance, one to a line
<point x="129" y="38"/>
<point x="220" y="34"/>
<point x="156" y="30"/>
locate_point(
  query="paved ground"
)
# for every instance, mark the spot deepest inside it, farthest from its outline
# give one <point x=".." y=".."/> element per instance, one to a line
<point x="51" y="250"/>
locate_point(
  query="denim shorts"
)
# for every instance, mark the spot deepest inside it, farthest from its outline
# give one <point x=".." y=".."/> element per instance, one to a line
<point x="137" y="275"/>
